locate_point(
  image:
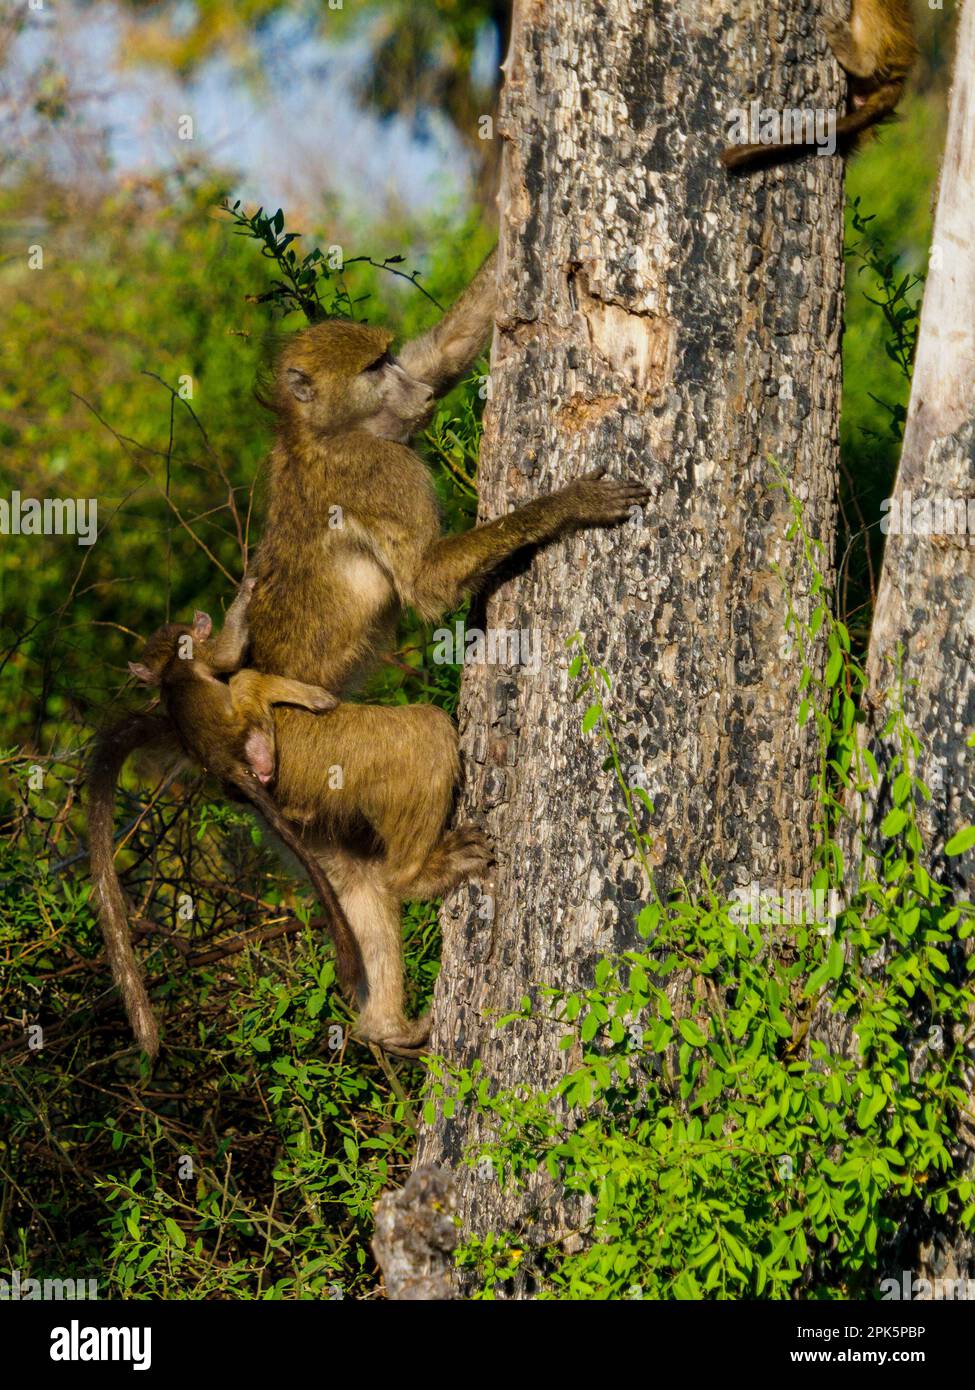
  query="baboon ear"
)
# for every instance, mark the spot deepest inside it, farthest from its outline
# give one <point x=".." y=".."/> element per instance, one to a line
<point x="299" y="384"/>
<point x="143" y="673"/>
<point x="202" y="626"/>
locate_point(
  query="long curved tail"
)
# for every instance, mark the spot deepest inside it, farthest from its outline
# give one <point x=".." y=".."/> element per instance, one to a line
<point x="878" y="105"/>
<point x="348" y="955"/>
<point x="112" y="747"/>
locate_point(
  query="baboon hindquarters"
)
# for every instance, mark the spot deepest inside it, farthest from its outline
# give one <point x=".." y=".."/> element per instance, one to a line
<point x="376" y="781"/>
<point x="373" y="788"/>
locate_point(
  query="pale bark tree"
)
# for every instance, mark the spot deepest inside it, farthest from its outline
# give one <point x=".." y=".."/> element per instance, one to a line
<point x="926" y="597"/>
<point x="678" y="326"/>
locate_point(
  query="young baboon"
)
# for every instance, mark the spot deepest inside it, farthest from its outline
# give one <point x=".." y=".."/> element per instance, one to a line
<point x="352" y="535"/>
<point x="877" y="49"/>
<point x="228" y="729"/>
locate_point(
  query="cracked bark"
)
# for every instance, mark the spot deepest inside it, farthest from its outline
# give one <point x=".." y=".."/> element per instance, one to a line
<point x="678" y="326"/>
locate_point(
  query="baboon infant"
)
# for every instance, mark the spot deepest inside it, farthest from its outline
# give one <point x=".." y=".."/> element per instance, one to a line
<point x="228" y="728"/>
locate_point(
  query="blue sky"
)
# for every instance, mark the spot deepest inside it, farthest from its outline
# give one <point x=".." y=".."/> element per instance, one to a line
<point x="297" y="135"/>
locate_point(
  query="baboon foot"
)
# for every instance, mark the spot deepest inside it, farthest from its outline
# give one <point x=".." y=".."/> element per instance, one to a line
<point x="470" y="851"/>
<point x="403" y="1037"/>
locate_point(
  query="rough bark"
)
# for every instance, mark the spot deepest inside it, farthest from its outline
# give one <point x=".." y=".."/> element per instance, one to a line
<point x="679" y="326"/>
<point x="416" y="1236"/>
<point x="926" y="596"/>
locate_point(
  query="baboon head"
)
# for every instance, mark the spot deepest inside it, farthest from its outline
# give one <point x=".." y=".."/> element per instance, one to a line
<point x="338" y="376"/>
<point x="176" y="642"/>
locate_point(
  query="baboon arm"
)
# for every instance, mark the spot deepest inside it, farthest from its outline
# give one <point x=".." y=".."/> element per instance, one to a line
<point x="445" y="352"/>
<point x="226" y="651"/>
<point x="454" y="565"/>
<point x="249" y="685"/>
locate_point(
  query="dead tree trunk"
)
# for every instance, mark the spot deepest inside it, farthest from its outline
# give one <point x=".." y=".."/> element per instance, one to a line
<point x="678" y="326"/>
<point x="926" y="598"/>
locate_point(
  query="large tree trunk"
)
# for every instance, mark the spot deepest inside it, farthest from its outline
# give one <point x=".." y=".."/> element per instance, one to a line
<point x="678" y="326"/>
<point x="926" y="598"/>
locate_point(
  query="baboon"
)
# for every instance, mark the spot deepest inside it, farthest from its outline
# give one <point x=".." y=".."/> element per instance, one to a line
<point x="877" y="49"/>
<point x="352" y="535"/>
<point x="228" y="729"/>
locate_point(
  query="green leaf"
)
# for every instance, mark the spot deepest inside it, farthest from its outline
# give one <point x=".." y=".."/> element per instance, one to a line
<point x="894" y="822"/>
<point x="692" y="1033"/>
<point x="901" y="788"/>
<point x="591" y="718"/>
<point x="834" y="666"/>
<point x="869" y="1108"/>
<point x="961" y="842"/>
<point x="834" y="960"/>
<point x="648" y="918"/>
<point x="176" y="1234"/>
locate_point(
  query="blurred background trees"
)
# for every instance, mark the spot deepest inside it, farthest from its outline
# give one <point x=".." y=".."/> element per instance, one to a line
<point x="142" y="273"/>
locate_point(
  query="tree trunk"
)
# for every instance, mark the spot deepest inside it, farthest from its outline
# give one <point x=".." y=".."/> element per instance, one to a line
<point x="926" y="598"/>
<point x="678" y="326"/>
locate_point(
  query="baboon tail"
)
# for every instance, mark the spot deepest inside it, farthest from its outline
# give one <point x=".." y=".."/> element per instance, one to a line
<point x="878" y="105"/>
<point x="348" y="956"/>
<point x="112" y="747"/>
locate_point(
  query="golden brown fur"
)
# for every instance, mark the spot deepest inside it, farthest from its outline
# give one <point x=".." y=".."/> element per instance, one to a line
<point x="352" y="535"/>
<point x="229" y="730"/>
<point x="877" y="49"/>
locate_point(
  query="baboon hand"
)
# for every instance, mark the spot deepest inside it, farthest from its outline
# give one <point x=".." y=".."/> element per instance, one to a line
<point x="596" y="502"/>
<point x="322" y="700"/>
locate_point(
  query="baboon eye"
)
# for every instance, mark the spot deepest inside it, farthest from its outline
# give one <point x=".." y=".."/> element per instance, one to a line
<point x="384" y="361"/>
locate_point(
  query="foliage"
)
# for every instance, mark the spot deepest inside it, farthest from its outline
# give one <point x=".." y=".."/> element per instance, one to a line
<point x="246" y="1164"/>
<point x="722" y="1145"/>
<point x="887" y="251"/>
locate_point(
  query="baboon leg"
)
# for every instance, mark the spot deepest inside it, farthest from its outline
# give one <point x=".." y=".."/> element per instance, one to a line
<point x="373" y="911"/>
<point x="254" y="686"/>
<point x="854" y="58"/>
